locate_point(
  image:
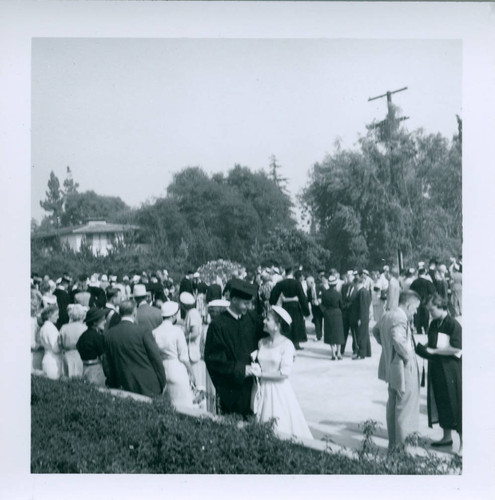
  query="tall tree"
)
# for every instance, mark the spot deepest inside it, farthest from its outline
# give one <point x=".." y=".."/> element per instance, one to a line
<point x="399" y="190"/>
<point x="276" y="177"/>
<point x="79" y="207"/>
<point x="54" y="201"/>
<point x="70" y="187"/>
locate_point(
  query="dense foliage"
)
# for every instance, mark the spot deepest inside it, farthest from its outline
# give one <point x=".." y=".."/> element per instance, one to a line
<point x="77" y="429"/>
<point x="68" y="207"/>
<point x="397" y="191"/>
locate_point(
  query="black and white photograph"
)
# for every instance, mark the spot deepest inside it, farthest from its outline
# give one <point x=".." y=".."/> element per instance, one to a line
<point x="245" y="243"/>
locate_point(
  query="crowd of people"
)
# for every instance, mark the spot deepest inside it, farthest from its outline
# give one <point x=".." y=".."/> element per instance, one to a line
<point x="229" y="347"/>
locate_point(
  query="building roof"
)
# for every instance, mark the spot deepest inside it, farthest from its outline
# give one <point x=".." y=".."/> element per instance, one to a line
<point x="90" y="227"/>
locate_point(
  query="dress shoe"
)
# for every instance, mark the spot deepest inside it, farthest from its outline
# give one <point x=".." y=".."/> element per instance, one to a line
<point x="437" y="444"/>
<point x="358" y="357"/>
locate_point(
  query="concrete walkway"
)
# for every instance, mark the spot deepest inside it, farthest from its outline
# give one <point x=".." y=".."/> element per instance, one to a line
<point x="337" y="396"/>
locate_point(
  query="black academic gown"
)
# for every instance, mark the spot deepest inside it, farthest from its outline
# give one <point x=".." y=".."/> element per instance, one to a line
<point x="291" y="288"/>
<point x="228" y="348"/>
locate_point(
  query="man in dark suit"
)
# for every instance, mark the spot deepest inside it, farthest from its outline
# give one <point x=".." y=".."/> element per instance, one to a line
<point x="146" y="316"/>
<point x="360" y="317"/>
<point x="231" y="338"/>
<point x="132" y="356"/>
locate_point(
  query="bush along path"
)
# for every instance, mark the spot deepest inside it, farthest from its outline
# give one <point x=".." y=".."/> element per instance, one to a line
<point x="77" y="429"/>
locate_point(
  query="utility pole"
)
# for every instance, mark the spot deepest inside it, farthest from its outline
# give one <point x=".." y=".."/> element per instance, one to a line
<point x="391" y="119"/>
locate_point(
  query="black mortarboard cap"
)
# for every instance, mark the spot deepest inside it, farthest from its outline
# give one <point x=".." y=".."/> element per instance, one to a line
<point x="242" y="289"/>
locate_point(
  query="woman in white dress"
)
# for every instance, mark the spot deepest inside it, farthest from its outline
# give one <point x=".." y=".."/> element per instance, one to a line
<point x="193" y="330"/>
<point x="69" y="335"/>
<point x="173" y="349"/>
<point x="50" y="340"/>
<point x="275" y="356"/>
<point x="36" y="348"/>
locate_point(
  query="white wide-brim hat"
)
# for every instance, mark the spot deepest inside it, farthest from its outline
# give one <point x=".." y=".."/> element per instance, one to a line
<point x="219" y="303"/>
<point x="139" y="291"/>
<point x="280" y="311"/>
<point x="187" y="299"/>
<point x="169" y="309"/>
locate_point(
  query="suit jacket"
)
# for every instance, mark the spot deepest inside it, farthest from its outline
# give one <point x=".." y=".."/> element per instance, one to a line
<point x="148" y="317"/>
<point x="398" y="359"/>
<point x="360" y="306"/>
<point x="346" y="297"/>
<point x="133" y="359"/>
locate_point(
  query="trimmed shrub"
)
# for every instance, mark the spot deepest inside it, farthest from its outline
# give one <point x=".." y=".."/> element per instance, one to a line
<point x="77" y="429"/>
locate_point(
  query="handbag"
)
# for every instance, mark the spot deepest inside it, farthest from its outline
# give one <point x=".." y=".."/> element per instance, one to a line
<point x="256" y="397"/>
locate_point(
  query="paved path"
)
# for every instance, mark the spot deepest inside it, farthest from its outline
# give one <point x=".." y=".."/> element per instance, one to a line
<point x="336" y="396"/>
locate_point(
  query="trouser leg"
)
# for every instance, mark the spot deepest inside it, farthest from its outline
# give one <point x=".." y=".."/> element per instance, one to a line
<point x="391" y="417"/>
<point x="345" y="321"/>
<point x="318" y="324"/>
<point x="407" y="411"/>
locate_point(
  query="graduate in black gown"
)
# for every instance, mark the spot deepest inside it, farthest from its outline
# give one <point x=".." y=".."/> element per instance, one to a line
<point x="289" y="293"/>
<point x="444" y="393"/>
<point x="231" y="338"/>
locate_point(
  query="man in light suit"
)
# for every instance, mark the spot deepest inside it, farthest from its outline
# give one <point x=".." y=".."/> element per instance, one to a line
<point x="399" y="368"/>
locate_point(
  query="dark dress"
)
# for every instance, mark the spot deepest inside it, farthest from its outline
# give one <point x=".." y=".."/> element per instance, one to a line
<point x="228" y="347"/>
<point x="295" y="302"/>
<point x="445" y="378"/>
<point x="333" y="326"/>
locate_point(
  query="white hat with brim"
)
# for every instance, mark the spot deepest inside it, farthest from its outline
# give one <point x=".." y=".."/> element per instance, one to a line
<point x="332" y="280"/>
<point x="187" y="299"/>
<point x="170" y="309"/>
<point x="219" y="303"/>
<point x="280" y="311"/>
<point x="139" y="291"/>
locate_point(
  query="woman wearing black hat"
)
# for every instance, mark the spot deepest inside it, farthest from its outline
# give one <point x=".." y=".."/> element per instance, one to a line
<point x="91" y="346"/>
<point x="276" y="356"/>
<point x="333" y="325"/>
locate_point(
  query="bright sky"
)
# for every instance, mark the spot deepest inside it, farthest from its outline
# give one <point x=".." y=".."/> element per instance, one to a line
<point x="125" y="114"/>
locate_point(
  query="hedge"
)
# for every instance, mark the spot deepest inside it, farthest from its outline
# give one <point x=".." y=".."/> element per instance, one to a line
<point x="77" y="429"/>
